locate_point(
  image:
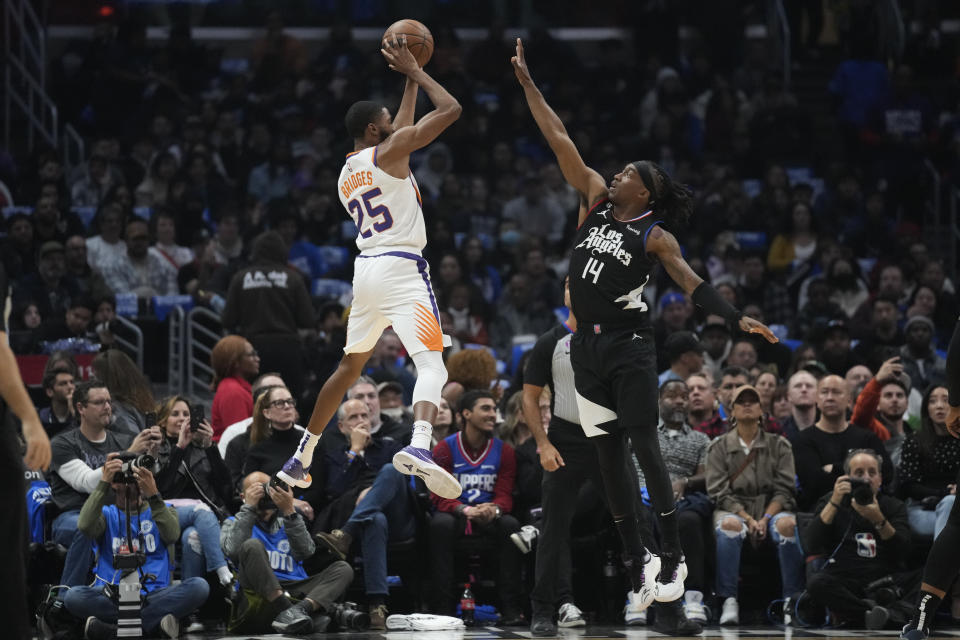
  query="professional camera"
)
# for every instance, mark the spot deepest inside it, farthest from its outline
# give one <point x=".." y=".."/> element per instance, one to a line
<point x="132" y="462"/>
<point x="347" y="617"/>
<point x="885" y="591"/>
<point x="267" y="503"/>
<point x="861" y="490"/>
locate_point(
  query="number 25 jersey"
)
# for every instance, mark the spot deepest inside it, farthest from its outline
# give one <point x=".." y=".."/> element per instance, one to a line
<point x="609" y="268"/>
<point x="388" y="211"/>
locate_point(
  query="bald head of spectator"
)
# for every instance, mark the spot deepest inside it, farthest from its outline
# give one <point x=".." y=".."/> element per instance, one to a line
<point x="833" y="400"/>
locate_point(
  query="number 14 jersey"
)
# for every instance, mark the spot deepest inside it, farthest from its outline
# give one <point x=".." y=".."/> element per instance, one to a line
<point x="609" y="268"/>
<point x="388" y="211"/>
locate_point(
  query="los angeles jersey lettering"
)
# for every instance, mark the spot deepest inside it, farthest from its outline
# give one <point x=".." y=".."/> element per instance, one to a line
<point x="278" y="551"/>
<point x="476" y="476"/>
<point x="144" y="536"/>
<point x="609" y="268"/>
<point x="387" y="210"/>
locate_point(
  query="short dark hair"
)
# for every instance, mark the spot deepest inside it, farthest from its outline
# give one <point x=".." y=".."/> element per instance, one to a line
<point x="359" y="115"/>
<point x="82" y="392"/>
<point x="269" y="247"/>
<point x="663" y="387"/>
<point x="470" y="399"/>
<point x="733" y="372"/>
<point x="50" y="379"/>
<point x="85" y="302"/>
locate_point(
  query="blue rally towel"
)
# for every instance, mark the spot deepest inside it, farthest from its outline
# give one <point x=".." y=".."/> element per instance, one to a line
<point x="482" y="613"/>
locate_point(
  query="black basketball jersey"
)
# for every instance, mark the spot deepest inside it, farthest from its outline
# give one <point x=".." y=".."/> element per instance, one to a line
<point x="609" y="268"/>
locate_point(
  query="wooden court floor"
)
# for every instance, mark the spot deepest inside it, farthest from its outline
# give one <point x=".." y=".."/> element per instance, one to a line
<point x="590" y="632"/>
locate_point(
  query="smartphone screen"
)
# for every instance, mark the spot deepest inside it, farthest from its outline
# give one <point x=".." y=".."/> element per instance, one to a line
<point x="197" y="415"/>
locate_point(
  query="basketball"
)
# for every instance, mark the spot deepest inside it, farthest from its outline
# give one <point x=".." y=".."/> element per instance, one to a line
<point x="419" y="38"/>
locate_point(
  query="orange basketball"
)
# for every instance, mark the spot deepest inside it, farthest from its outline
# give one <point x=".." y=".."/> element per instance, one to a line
<point x="419" y="38"/>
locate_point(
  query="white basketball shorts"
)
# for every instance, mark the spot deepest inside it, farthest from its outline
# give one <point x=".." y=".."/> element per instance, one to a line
<point x="393" y="288"/>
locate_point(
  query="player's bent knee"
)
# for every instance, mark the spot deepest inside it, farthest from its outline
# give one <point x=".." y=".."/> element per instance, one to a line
<point x="431" y="376"/>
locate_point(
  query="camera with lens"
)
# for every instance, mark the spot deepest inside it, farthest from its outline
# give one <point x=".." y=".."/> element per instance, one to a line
<point x="885" y="591"/>
<point x="347" y="617"/>
<point x="266" y="502"/>
<point x="132" y="462"/>
<point x="861" y="490"/>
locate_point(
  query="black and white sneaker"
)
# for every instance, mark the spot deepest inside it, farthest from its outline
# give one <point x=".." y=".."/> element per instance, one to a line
<point x="570" y="616"/>
<point x="526" y="538"/>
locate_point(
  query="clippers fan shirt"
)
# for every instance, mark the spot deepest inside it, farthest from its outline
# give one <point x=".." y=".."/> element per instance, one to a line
<point x="388" y="211"/>
<point x="609" y="268"/>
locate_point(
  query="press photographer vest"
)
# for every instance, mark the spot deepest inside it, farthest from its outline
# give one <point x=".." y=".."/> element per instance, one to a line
<point x="144" y="535"/>
<point x="284" y="566"/>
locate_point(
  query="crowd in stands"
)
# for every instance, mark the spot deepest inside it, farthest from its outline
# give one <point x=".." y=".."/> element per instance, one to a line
<point x="215" y="179"/>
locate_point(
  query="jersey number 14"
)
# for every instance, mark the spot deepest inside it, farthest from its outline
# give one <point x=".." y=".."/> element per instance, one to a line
<point x="373" y="211"/>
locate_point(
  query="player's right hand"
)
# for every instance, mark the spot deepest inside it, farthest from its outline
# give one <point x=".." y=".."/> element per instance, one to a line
<point x="519" y="63"/>
<point x="550" y="458"/>
<point x="398" y="55"/>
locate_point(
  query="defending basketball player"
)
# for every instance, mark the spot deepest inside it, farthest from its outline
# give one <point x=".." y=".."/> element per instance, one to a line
<point x="619" y="240"/>
<point x="391" y="283"/>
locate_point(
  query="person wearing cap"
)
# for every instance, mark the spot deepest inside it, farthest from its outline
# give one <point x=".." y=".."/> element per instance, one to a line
<point x="49" y="286"/>
<point x="674" y="313"/>
<point x="715" y="338"/>
<point x="391" y="402"/>
<point x="834" y="347"/>
<point x="920" y="360"/>
<point x="624" y="233"/>
<point x="820" y="449"/>
<point x="750" y="477"/>
<point x="686" y="356"/>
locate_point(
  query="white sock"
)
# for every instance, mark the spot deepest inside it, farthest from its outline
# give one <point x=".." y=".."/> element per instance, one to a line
<point x="422" y="433"/>
<point x="305" y="451"/>
<point x="224" y="574"/>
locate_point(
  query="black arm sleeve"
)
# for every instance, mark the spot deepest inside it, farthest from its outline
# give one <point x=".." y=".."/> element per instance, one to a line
<point x="953" y="366"/>
<point x="708" y="298"/>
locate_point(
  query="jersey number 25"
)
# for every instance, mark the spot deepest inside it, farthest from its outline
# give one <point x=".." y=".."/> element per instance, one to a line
<point x="373" y="211"/>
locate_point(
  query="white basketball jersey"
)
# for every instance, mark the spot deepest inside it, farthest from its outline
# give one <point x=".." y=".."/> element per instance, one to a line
<point x="387" y="210"/>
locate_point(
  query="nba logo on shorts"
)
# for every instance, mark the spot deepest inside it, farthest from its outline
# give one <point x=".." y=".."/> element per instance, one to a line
<point x="866" y="545"/>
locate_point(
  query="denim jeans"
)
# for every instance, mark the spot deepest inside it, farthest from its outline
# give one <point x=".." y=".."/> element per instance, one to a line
<point x="788" y="552"/>
<point x="929" y="523"/>
<point x="200" y="539"/>
<point x="180" y="600"/>
<point x="384" y="515"/>
<point x="76" y="566"/>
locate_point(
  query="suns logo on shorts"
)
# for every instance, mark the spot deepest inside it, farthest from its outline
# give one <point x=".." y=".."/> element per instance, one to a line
<point x="428" y="329"/>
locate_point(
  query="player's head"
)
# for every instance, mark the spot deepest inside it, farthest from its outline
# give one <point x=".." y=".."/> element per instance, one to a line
<point x="369" y="121"/>
<point x="646" y="184"/>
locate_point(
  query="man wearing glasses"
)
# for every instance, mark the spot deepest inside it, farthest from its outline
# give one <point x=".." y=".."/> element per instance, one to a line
<point x="75" y="470"/>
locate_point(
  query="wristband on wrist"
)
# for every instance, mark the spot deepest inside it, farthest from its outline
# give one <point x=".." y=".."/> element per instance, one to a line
<point x="834" y="505"/>
<point x="710" y="299"/>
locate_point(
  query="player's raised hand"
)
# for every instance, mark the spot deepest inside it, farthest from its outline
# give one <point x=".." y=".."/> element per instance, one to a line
<point x="398" y="56"/>
<point x="749" y="325"/>
<point x="519" y="63"/>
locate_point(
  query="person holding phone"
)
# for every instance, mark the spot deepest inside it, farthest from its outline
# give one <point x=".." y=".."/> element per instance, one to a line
<point x="194" y="479"/>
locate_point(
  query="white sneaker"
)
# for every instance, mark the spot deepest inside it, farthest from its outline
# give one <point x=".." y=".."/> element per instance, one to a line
<point x="670" y="587"/>
<point x="730" y="615"/>
<point x="635" y="613"/>
<point x="194" y="625"/>
<point x="570" y="616"/>
<point x="525" y="538"/>
<point x="693" y="607"/>
<point x="170" y="625"/>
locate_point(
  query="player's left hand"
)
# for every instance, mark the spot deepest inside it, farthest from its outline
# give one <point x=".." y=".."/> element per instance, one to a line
<point x="519" y="63"/>
<point x="398" y="55"/>
<point x="749" y="325"/>
<point x="953" y="421"/>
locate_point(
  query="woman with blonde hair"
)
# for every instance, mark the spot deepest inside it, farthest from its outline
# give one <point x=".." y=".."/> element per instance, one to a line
<point x="514" y="429"/>
<point x="235" y="363"/>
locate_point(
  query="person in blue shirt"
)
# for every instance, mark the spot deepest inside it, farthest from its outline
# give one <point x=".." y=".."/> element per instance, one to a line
<point x="268" y="541"/>
<point x="153" y="526"/>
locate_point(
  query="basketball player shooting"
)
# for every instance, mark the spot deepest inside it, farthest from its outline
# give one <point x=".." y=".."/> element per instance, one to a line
<point x="391" y="282"/>
<point x="619" y="240"/>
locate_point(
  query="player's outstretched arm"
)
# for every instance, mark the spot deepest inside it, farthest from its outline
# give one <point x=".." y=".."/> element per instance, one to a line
<point x="579" y="175"/>
<point x="664" y="245"/>
<point x="446" y="110"/>
<point x="408" y="105"/>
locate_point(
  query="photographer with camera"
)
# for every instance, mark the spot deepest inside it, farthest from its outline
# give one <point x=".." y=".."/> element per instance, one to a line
<point x="132" y="535"/>
<point x="269" y="542"/>
<point x="865" y="533"/>
<point x="78" y="455"/>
